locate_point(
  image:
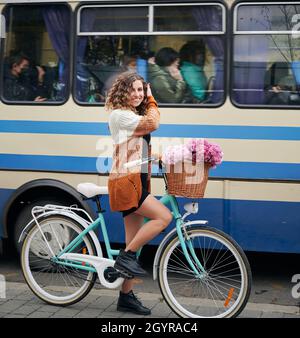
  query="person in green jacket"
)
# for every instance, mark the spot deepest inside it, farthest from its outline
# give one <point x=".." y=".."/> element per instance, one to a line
<point x="192" y="58"/>
<point x="166" y="80"/>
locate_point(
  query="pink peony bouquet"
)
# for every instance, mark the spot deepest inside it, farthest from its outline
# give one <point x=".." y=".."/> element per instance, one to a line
<point x="195" y="150"/>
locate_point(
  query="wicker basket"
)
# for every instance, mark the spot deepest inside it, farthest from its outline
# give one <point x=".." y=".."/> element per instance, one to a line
<point x="187" y="179"/>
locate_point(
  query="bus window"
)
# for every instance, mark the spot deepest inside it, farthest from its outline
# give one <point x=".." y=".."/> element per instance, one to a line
<point x="266" y="55"/>
<point x="178" y="48"/>
<point x="36" y="53"/>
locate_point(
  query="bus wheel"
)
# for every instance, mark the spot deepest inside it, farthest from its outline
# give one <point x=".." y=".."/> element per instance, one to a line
<point x="25" y="217"/>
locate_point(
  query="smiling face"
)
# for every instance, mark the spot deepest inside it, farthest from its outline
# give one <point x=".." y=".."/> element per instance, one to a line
<point x="136" y="95"/>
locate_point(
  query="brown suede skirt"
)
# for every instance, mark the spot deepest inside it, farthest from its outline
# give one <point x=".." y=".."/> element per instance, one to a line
<point x="145" y="193"/>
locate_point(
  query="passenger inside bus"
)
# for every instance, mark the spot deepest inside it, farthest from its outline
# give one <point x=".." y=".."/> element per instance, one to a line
<point x="280" y="85"/>
<point x="23" y="81"/>
<point x="129" y="65"/>
<point x="167" y="83"/>
<point x="192" y="59"/>
<point x="95" y="77"/>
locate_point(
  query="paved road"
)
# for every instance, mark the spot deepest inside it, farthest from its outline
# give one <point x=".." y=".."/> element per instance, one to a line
<point x="271" y="295"/>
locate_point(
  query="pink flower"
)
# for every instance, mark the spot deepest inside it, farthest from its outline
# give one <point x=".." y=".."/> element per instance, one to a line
<point x="174" y="154"/>
<point x="196" y="150"/>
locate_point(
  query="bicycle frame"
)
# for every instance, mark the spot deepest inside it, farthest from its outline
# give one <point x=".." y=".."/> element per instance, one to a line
<point x="176" y="257"/>
<point x="185" y="242"/>
<point x="97" y="264"/>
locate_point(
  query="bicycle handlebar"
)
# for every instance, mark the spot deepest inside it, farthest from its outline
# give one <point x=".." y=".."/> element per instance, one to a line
<point x="139" y="162"/>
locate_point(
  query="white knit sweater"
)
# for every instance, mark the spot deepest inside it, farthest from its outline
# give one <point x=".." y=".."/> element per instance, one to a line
<point x="122" y="124"/>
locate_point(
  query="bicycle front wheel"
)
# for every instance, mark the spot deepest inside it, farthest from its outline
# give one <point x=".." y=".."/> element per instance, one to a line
<point x="52" y="282"/>
<point x="220" y="286"/>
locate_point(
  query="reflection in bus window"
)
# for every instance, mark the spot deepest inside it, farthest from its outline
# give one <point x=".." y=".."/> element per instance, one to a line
<point x="36" y="53"/>
<point x="105" y="50"/>
<point x="266" y="64"/>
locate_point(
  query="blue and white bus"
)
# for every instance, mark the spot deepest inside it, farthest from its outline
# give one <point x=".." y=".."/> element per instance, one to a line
<point x="53" y="126"/>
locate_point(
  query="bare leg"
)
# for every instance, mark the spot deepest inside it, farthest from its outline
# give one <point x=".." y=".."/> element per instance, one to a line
<point x="133" y="223"/>
<point x="160" y="217"/>
<point x="138" y="234"/>
<point x="127" y="301"/>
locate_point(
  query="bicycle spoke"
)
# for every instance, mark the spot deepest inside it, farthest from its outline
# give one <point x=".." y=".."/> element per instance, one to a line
<point x="50" y="280"/>
<point x="218" y="291"/>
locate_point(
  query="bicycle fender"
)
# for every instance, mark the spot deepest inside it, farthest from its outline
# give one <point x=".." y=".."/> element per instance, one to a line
<point x="171" y="234"/>
<point x="66" y="214"/>
<point x="159" y="251"/>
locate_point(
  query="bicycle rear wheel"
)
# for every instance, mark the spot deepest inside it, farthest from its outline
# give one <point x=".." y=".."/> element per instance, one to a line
<point x="52" y="282"/>
<point x="222" y="290"/>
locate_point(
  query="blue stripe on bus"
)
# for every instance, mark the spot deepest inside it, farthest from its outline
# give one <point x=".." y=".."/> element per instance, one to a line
<point x="247" y="170"/>
<point x="48" y="163"/>
<point x="4" y="197"/>
<point x="165" y="130"/>
<point x="229" y="132"/>
<point x="51" y="127"/>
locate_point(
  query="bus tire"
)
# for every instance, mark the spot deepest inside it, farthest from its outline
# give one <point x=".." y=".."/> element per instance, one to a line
<point x="24" y="218"/>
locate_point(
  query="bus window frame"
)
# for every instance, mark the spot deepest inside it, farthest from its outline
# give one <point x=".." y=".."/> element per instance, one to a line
<point x="235" y="32"/>
<point x="69" y="84"/>
<point x="224" y="33"/>
<point x="150" y="30"/>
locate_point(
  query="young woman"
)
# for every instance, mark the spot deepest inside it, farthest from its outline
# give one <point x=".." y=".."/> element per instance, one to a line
<point x="133" y="116"/>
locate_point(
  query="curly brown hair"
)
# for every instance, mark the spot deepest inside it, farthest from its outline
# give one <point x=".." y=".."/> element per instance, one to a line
<point x="118" y="95"/>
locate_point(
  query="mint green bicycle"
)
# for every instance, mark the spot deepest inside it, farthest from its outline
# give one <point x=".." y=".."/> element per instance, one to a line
<point x="201" y="271"/>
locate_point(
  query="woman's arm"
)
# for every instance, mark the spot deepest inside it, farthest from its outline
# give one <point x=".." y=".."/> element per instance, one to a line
<point x="136" y="125"/>
<point x="150" y="121"/>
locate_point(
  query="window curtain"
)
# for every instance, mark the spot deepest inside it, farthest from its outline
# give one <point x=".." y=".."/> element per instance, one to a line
<point x="82" y="73"/>
<point x="57" y="20"/>
<point x="209" y="19"/>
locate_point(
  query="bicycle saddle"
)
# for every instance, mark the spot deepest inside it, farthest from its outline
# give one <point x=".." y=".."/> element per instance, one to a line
<point x="90" y="190"/>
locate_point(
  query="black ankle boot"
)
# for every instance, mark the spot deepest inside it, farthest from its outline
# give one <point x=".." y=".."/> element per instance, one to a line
<point x="126" y="261"/>
<point x="128" y="302"/>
